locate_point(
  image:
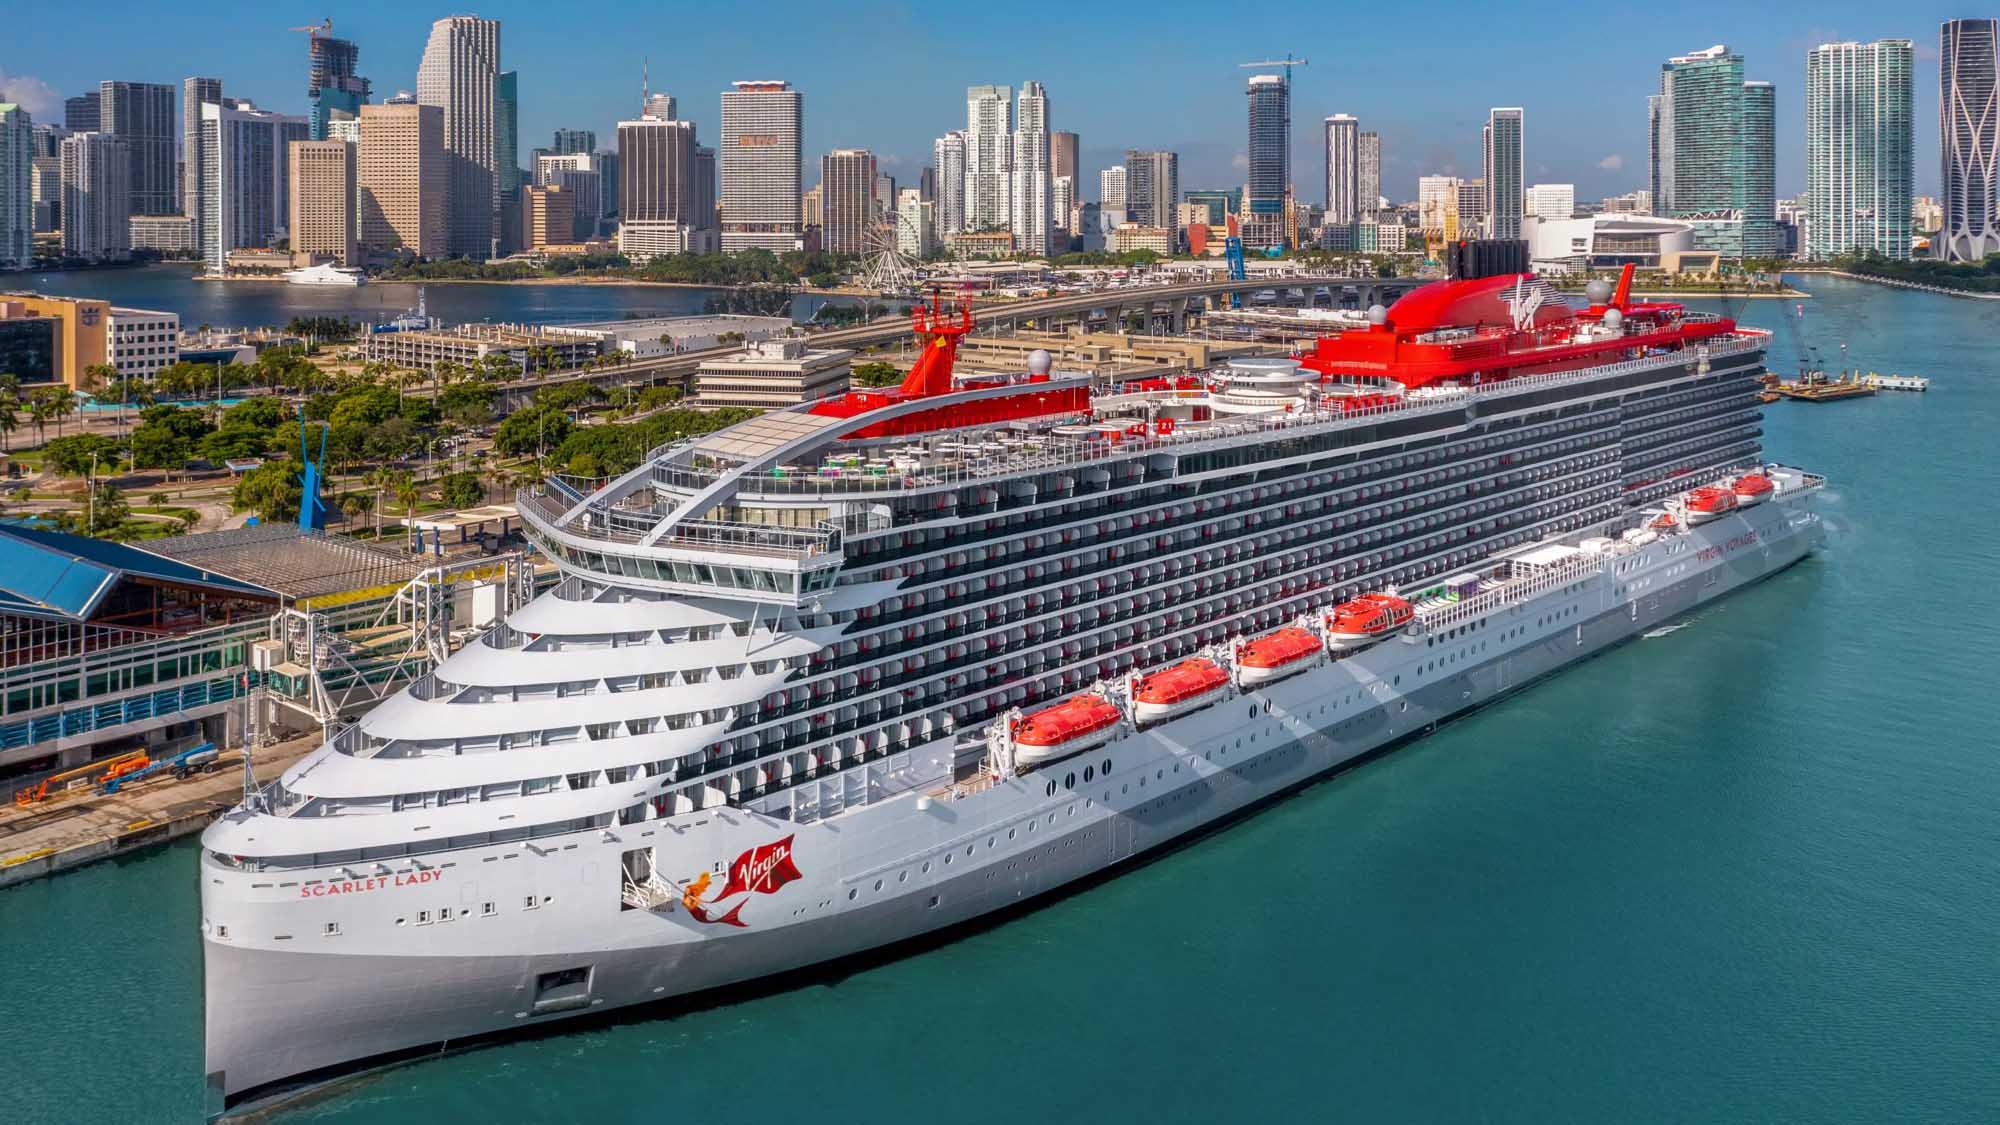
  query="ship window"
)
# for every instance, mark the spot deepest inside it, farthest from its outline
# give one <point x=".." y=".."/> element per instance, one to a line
<point x="529" y="903"/>
<point x="333" y="929"/>
<point x="487" y="910"/>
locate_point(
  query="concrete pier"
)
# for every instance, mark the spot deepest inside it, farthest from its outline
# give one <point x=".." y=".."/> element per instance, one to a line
<point x="66" y="832"/>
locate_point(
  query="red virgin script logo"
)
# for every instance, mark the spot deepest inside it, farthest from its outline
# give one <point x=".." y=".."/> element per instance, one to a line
<point x="759" y="871"/>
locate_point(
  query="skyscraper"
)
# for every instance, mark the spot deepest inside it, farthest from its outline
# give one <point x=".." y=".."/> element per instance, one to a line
<point x="507" y="135"/>
<point x="17" y="198"/>
<point x="97" y="197"/>
<point x="988" y="154"/>
<point x="246" y="162"/>
<point x="1858" y="140"/>
<point x="1270" y="149"/>
<point x="45" y="177"/>
<point x="659" y="105"/>
<point x="659" y="198"/>
<point x="142" y="113"/>
<point x="763" y="126"/>
<point x="460" y="74"/>
<point x="1969" y="138"/>
<point x="574" y="140"/>
<point x="1506" y="180"/>
<point x="847" y="200"/>
<point x="401" y="175"/>
<point x="1031" y="188"/>
<point x="948" y="157"/>
<point x="320" y="213"/>
<point x="1714" y="158"/>
<point x="331" y="84"/>
<point x="1368" y="173"/>
<point x="1343" y="170"/>
<point x="83" y="113"/>
<point x="1111" y="194"/>
<point x="195" y="93"/>
<point x="1063" y="154"/>
<point x="1153" y="189"/>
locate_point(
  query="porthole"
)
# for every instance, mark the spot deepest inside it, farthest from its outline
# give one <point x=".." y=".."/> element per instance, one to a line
<point x="878" y="884"/>
<point x="1106" y="770"/>
<point x="1087" y="770"/>
<point x="1253" y="710"/>
<point x="1052" y="788"/>
<point x="1010" y="833"/>
<point x="1069" y="781"/>
<point x="902" y="876"/>
<point x="851" y="892"/>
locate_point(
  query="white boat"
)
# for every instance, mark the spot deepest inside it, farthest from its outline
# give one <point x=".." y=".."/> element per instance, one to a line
<point x="1896" y="382"/>
<point x="327" y="274"/>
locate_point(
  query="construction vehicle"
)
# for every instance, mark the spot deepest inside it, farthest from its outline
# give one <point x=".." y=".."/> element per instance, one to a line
<point x="198" y="759"/>
<point x="92" y="771"/>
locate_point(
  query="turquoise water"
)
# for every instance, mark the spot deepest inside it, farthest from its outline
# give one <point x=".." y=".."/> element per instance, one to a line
<point x="1744" y="871"/>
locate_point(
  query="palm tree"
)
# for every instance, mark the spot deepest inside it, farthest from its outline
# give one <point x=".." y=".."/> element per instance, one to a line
<point x="354" y="504"/>
<point x="10" y="386"/>
<point x="9" y="422"/>
<point x="404" y="485"/>
<point x="39" y="413"/>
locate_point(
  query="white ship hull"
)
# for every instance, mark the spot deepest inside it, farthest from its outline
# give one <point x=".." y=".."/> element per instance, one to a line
<point x="891" y="869"/>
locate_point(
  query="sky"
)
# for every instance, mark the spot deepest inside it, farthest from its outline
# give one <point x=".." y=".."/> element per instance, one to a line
<point x="891" y="77"/>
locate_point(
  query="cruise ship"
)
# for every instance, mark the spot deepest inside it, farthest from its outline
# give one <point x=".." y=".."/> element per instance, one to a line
<point x="859" y="670"/>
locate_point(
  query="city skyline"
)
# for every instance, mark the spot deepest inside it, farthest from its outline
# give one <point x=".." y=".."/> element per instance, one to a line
<point x="1173" y="97"/>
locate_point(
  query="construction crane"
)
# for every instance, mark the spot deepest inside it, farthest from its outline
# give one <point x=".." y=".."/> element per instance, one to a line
<point x="1288" y="62"/>
<point x="320" y="30"/>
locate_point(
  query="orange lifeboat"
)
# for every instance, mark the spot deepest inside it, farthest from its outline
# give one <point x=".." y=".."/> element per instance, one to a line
<point x="1079" y="723"/>
<point x="1752" y="488"/>
<point x="1369" y="618"/>
<point x="1710" y="502"/>
<point x="1274" y="656"/>
<point x="1173" y="692"/>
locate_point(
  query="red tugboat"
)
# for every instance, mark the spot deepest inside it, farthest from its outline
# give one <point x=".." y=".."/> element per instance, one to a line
<point x="1752" y="488"/>
<point x="1369" y="618"/>
<point x="1276" y="655"/>
<point x="1079" y="723"/>
<point x="1709" y="502"/>
<point x="1173" y="692"/>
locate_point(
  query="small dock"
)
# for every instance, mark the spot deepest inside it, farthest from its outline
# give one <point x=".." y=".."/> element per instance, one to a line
<point x="71" y="830"/>
<point x="1896" y="382"/>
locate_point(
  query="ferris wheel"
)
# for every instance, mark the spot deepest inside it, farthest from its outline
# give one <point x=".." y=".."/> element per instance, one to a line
<point x="885" y="268"/>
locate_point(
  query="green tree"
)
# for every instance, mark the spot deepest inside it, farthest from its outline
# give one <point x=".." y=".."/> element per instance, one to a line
<point x="877" y="374"/>
<point x="532" y="430"/>
<point x="71" y="456"/>
<point x="273" y="491"/>
<point x="10" y="421"/>
<point x="462" y="490"/>
<point x="160" y="447"/>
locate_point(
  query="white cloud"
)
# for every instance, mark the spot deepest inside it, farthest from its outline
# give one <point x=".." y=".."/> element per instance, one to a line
<point x="1612" y="163"/>
<point x="1240" y="162"/>
<point x="36" y="96"/>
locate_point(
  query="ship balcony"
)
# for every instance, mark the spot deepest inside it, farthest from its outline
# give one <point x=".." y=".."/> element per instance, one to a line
<point x="699" y="557"/>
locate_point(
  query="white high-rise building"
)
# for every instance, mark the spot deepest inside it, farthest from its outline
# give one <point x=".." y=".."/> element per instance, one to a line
<point x="916" y="231"/>
<point x="1505" y="172"/>
<point x="763" y="123"/>
<point x="1062" y="197"/>
<point x="1030" y="189"/>
<point x="1368" y="174"/>
<point x="1111" y="188"/>
<point x="17" y="195"/>
<point x="1551" y="201"/>
<point x="460" y="73"/>
<point x="948" y="158"/>
<point x="1343" y="171"/>
<point x="989" y="153"/>
<point x="246" y="160"/>
<point x="1858" y="149"/>
<point x="97" y="197"/>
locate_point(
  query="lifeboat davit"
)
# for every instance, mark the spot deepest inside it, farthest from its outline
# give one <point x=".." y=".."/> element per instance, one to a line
<point x="1079" y="723"/>
<point x="1173" y="692"/>
<point x="1710" y="502"/>
<point x="1274" y="656"/>
<point x="1369" y="618"/>
<point x="1752" y="488"/>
